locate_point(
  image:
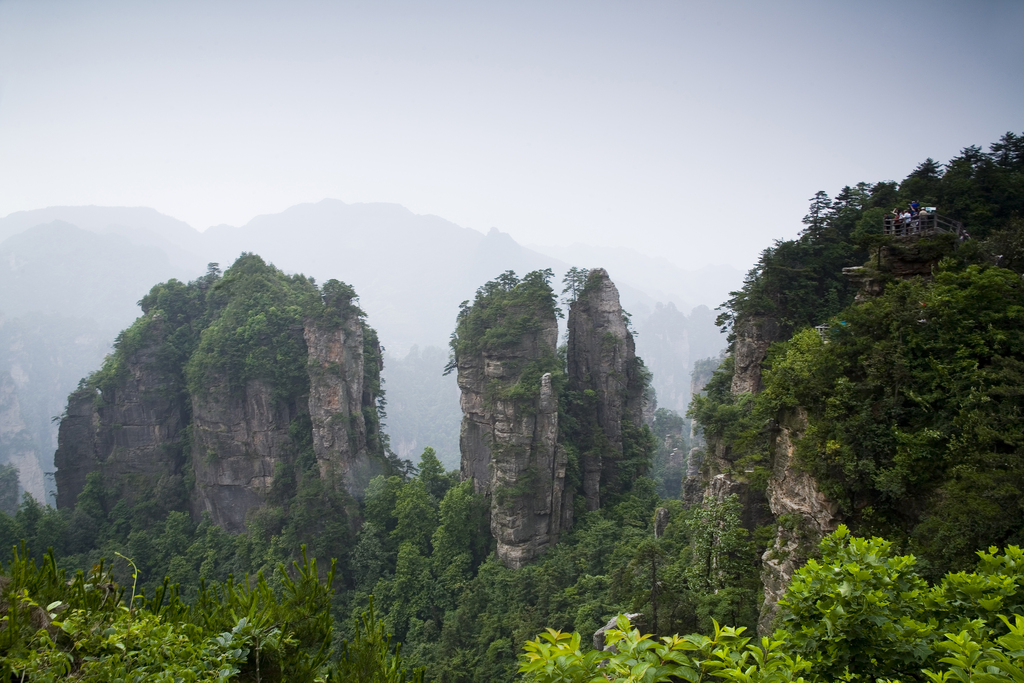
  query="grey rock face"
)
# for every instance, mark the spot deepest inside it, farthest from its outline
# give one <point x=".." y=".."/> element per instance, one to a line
<point x="908" y="258"/>
<point x="237" y="440"/>
<point x="133" y="433"/>
<point x="337" y="396"/>
<point x="510" y="447"/>
<point x="661" y="517"/>
<point x="754" y="335"/>
<point x="602" y="361"/>
<point x="794" y="493"/>
<point x="599" y="634"/>
<point x="692" y="487"/>
<point x="693" y="490"/>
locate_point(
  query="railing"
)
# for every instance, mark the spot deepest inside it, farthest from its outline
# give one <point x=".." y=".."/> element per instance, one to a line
<point x="921" y="224"/>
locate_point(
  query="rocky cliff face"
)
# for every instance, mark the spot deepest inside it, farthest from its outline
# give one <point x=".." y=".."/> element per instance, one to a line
<point x="339" y="398"/>
<point x="509" y="441"/>
<point x="692" y="488"/>
<point x="905" y="258"/>
<point x="792" y="500"/>
<point x="238" y="438"/>
<point x="754" y="335"/>
<point x="602" y="367"/>
<point x="132" y="431"/>
<point x="806" y="515"/>
<point x="313" y="387"/>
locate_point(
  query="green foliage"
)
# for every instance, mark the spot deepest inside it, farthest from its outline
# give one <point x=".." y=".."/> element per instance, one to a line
<point x="368" y="657"/>
<point x="793" y="279"/>
<point x="914" y="409"/>
<point x="733" y="420"/>
<point x="504" y="311"/>
<point x="9" y="489"/>
<point x="91" y="629"/>
<point x="859" y="613"/>
<point x="257" y="332"/>
<point x="863" y="613"/>
<point x="858" y="610"/>
<point x="575" y="282"/>
<point x="720" y="572"/>
<point x="556" y="657"/>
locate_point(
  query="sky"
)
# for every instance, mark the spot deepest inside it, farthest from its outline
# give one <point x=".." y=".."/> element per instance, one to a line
<point x="695" y="131"/>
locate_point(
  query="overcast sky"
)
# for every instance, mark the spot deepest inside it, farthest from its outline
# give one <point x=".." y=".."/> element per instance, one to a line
<point x="691" y="130"/>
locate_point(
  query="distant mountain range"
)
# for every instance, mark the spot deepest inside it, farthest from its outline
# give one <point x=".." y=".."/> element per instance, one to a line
<point x="84" y="269"/>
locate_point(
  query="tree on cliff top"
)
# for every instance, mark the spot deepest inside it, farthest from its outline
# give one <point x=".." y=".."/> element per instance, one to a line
<point x="503" y="312"/>
<point x="800" y="282"/>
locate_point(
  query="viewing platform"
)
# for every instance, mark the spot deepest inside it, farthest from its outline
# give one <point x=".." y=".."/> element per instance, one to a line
<point x="920" y="225"/>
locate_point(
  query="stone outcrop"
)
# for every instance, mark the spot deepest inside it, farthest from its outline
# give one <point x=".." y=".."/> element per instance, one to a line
<point x="803" y="515"/>
<point x="808" y="515"/>
<point x="599" y="634"/>
<point x="602" y="364"/>
<point x="692" y="487"/>
<point x="904" y="258"/>
<point x="338" y="395"/>
<point x="755" y="512"/>
<point x="132" y="433"/>
<point x="145" y="433"/>
<point x="238" y="438"/>
<point x="509" y="442"/>
<point x="754" y="334"/>
<point x="509" y="437"/>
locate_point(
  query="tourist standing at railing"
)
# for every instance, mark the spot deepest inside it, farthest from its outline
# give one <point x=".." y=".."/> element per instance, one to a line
<point x="915" y="216"/>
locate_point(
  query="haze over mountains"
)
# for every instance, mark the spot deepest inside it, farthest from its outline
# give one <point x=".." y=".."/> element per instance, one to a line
<point x="70" y="278"/>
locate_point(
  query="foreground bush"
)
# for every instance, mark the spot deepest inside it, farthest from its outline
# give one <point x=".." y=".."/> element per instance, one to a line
<point x="90" y="629"/>
<point x="859" y="613"/>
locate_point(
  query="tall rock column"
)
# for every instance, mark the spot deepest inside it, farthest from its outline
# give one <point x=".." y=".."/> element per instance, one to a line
<point x="505" y="350"/>
<point x="604" y="371"/>
<point x="341" y="394"/>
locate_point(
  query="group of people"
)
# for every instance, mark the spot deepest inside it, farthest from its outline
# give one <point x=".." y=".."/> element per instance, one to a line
<point x="909" y="217"/>
<point x="909" y="221"/>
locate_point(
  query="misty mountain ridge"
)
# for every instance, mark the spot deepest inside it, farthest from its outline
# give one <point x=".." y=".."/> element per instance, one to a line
<point x="362" y="228"/>
<point x="85" y="268"/>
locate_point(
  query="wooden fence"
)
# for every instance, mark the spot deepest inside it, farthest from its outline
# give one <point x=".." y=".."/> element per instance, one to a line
<point x="921" y="224"/>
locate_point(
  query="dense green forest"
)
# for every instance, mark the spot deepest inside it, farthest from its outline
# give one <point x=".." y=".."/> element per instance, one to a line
<point x="914" y="431"/>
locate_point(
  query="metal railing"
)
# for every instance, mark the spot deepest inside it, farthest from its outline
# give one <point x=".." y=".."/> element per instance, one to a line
<point x="921" y="224"/>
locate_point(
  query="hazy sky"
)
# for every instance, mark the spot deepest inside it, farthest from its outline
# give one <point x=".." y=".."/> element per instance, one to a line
<point x="691" y="130"/>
